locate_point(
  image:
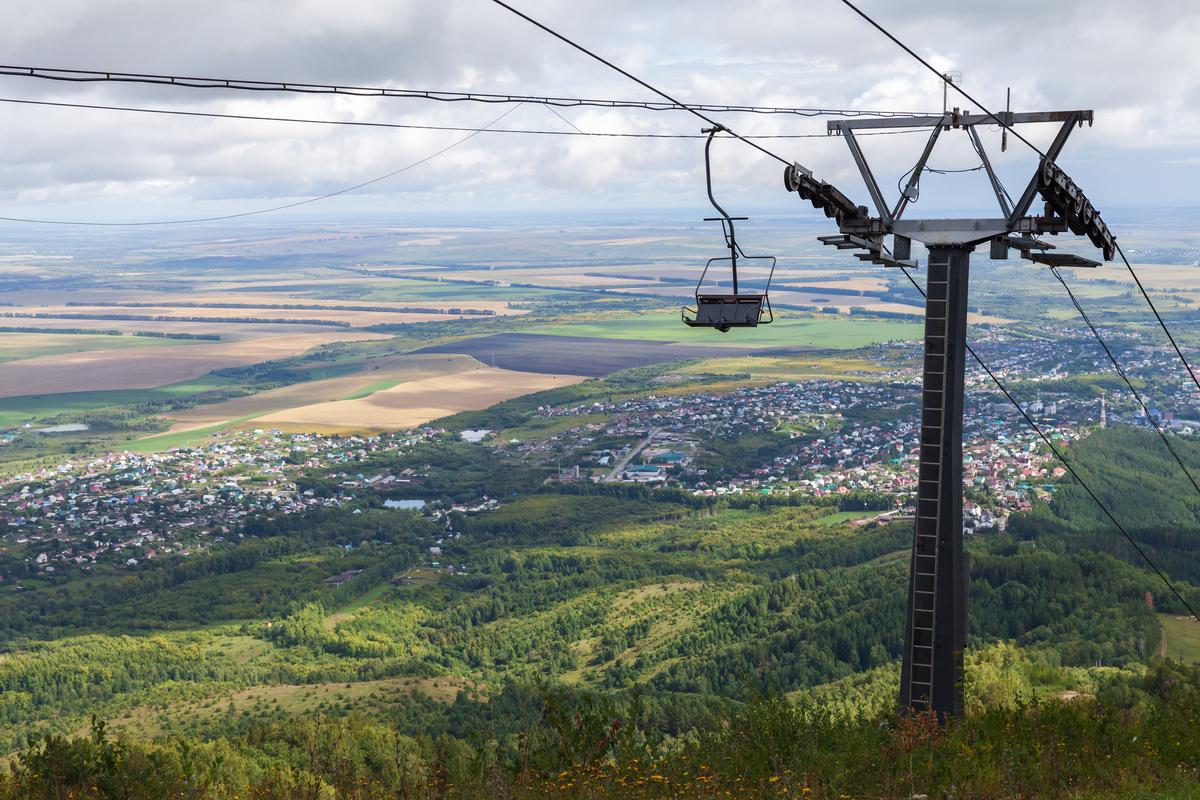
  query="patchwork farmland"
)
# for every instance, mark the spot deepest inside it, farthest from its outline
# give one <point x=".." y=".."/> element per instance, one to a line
<point x="413" y="403"/>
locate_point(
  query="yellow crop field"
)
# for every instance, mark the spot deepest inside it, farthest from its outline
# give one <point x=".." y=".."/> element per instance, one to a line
<point x="1168" y="284"/>
<point x="416" y="402"/>
<point x="376" y="373"/>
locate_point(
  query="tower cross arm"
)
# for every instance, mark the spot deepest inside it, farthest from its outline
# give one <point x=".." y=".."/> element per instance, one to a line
<point x="956" y="119"/>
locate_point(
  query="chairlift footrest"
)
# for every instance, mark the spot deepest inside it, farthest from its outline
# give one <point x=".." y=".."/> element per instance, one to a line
<point x="1061" y="260"/>
<point x="848" y="241"/>
<point x="886" y="261"/>
<point x="874" y="254"/>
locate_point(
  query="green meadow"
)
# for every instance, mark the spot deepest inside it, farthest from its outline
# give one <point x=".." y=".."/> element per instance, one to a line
<point x="790" y="330"/>
<point x="30" y="408"/>
<point x="1182" y="635"/>
<point x="14" y="346"/>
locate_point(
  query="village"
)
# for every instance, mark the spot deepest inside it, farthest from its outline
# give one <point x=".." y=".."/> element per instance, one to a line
<point x="827" y="439"/>
<point x="861" y="436"/>
<point x="835" y="453"/>
<point x="124" y="508"/>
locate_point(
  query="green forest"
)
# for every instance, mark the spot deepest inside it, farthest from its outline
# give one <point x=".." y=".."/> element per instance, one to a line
<point x="627" y="641"/>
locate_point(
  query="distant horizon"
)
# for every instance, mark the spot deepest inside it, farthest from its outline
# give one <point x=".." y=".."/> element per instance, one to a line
<point x="580" y="214"/>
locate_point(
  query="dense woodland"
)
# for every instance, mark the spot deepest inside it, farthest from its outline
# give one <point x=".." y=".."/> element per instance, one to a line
<point x="1135" y="738"/>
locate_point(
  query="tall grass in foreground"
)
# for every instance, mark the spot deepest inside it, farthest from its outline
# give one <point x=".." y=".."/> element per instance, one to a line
<point x="1134" y="739"/>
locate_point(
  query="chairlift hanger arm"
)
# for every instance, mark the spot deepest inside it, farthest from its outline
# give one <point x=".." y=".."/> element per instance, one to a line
<point x="726" y="220"/>
<point x="713" y="131"/>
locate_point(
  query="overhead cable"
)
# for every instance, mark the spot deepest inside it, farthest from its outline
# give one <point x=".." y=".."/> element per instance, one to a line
<point x="940" y="75"/>
<point x="412" y="126"/>
<point x="101" y="76"/>
<point x="916" y="187"/>
<point x="556" y="113"/>
<point x="1069" y="467"/>
<point x="1191" y="372"/>
<point x="1136" y="394"/>
<point x="326" y="196"/>
<point x="1162" y="324"/>
<point x="696" y="110"/>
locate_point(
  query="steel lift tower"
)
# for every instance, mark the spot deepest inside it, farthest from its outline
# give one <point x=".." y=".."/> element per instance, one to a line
<point x="936" y="621"/>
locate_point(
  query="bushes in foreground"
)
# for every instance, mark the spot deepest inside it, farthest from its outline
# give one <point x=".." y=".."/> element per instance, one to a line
<point x="1134" y="738"/>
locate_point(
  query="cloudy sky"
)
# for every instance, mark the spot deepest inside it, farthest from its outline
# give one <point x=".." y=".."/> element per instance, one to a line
<point x="1136" y="64"/>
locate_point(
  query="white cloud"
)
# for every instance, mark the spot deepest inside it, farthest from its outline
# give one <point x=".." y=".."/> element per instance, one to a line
<point x="1117" y="57"/>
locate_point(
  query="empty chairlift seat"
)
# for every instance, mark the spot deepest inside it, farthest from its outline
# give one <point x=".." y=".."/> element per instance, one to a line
<point x="738" y="308"/>
<point x="734" y="309"/>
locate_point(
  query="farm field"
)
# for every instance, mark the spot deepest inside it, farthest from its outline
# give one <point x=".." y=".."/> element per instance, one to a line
<point x="15" y="346"/>
<point x="415" y="402"/>
<point x="783" y="297"/>
<point x="186" y="313"/>
<point x="580" y="355"/>
<point x="446" y="299"/>
<point x="343" y="286"/>
<point x="1170" y="285"/>
<point x="186" y="435"/>
<point x="785" y="368"/>
<point x="151" y="366"/>
<point x="813" y="332"/>
<point x="866" y="282"/>
<point x="543" y="276"/>
<point x="375" y="375"/>
<point x="29" y="408"/>
<point x="228" y="331"/>
<point x="400" y="289"/>
<point x="649" y="276"/>
<point x="242" y="297"/>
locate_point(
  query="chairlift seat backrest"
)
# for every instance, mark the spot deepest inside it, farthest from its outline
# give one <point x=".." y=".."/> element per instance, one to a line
<point x="724" y="311"/>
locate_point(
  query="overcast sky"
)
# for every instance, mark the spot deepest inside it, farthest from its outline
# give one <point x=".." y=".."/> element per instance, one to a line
<point x="1136" y="64"/>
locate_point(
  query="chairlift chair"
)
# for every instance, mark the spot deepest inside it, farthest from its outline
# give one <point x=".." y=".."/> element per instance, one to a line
<point x="736" y="309"/>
